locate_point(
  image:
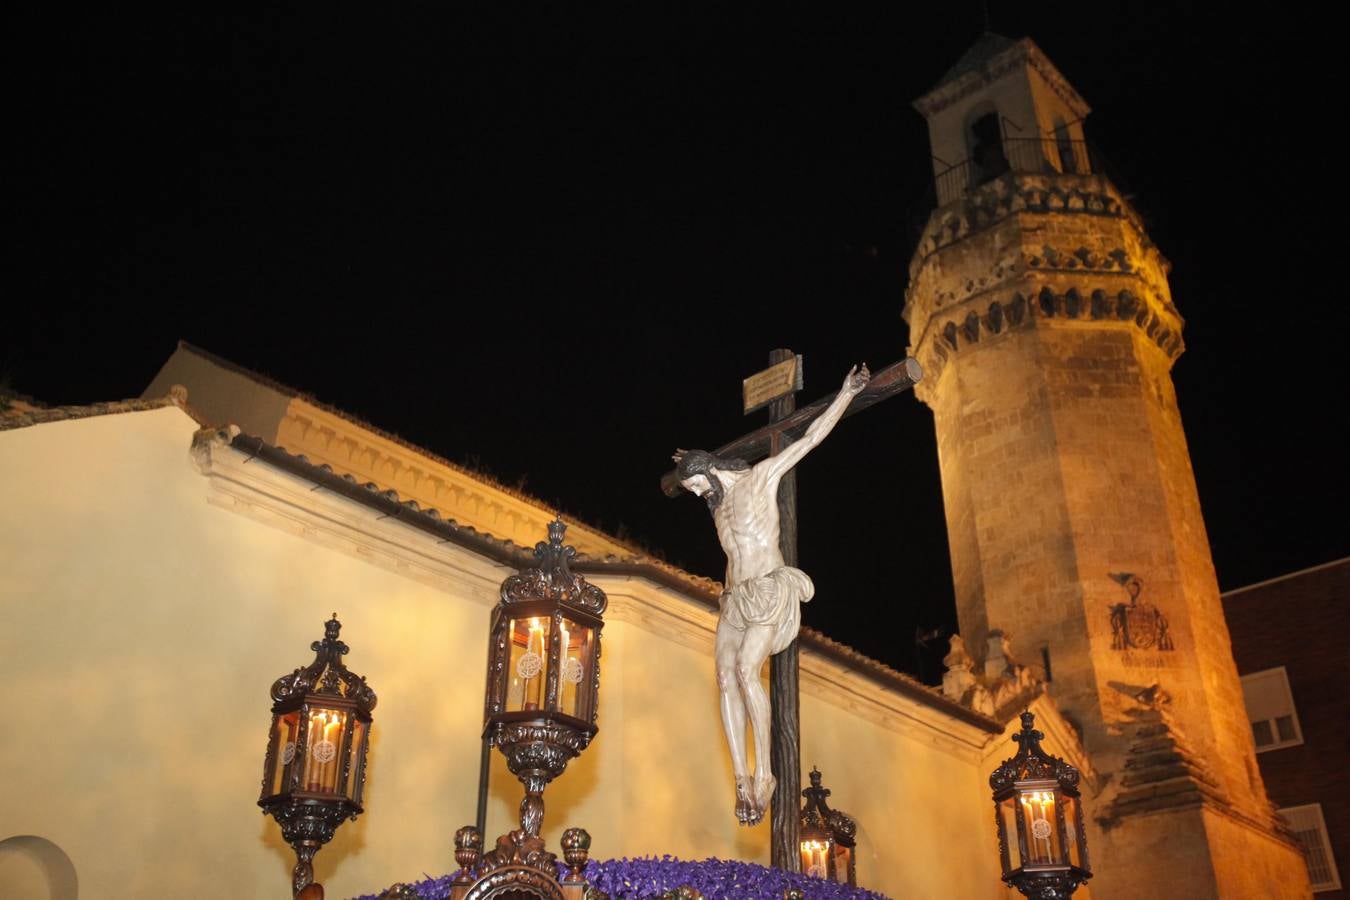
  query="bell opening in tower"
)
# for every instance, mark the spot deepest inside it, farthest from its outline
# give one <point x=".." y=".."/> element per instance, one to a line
<point x="986" y="149"/>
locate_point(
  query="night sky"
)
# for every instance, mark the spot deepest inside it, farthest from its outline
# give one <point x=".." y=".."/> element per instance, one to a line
<point x="550" y="246"/>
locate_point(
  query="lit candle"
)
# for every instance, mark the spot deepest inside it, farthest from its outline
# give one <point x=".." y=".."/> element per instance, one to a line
<point x="331" y="733"/>
<point x="1039" y="807"/>
<point x="565" y="683"/>
<point x="515" y="695"/>
<point x="313" y="735"/>
<point x="535" y="684"/>
<point x="288" y="735"/>
<point x="315" y="761"/>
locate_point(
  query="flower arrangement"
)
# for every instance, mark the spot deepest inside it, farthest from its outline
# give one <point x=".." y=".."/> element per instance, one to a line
<point x="715" y="879"/>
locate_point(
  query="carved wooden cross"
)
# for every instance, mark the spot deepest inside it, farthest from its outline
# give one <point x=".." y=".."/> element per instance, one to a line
<point x="785" y="426"/>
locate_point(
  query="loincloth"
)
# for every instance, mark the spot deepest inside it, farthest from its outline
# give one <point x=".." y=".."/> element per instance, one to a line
<point x="774" y="599"/>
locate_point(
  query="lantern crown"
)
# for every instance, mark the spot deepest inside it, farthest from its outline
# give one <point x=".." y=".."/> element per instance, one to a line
<point x="551" y="579"/>
<point x="327" y="674"/>
<point x="814" y="814"/>
<point x="1031" y="763"/>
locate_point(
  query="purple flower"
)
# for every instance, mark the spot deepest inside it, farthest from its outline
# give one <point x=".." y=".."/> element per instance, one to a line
<point x="716" y="879"/>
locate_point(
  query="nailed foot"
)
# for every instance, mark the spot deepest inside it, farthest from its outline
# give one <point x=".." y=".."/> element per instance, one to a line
<point x="745" y="804"/>
<point x="764" y="785"/>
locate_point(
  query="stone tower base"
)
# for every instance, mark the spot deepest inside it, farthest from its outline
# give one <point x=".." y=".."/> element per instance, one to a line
<point x="1197" y="853"/>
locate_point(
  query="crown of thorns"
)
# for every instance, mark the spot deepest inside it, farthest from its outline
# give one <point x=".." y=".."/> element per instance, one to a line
<point x="700" y="462"/>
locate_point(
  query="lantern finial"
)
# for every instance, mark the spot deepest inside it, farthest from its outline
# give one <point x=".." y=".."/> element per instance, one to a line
<point x="552" y="555"/>
<point x="330" y="642"/>
<point x="327" y="673"/>
<point x="550" y="579"/>
<point x="1029" y="738"/>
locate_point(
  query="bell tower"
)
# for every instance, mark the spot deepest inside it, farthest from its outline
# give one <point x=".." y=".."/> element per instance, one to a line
<point x="1041" y="313"/>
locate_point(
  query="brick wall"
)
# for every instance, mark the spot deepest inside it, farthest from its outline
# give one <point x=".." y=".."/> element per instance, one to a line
<point x="1302" y="622"/>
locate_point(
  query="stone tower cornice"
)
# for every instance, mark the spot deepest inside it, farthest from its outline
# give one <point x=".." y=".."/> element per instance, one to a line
<point x="1005" y="310"/>
<point x="1019" y="192"/>
<point x="1055" y="251"/>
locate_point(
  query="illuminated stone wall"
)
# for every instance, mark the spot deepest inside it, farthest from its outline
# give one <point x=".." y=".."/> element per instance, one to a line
<point x="1041" y="314"/>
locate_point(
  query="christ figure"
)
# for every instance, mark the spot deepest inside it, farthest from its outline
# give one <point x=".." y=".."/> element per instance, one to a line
<point x="760" y="606"/>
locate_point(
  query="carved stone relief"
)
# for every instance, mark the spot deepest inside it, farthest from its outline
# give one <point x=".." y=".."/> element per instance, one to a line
<point x="1136" y="624"/>
<point x="1002" y="679"/>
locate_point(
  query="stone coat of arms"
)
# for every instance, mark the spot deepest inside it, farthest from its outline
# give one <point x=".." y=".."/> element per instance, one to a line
<point x="1137" y="625"/>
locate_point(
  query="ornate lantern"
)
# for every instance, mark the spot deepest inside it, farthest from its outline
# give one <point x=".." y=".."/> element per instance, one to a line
<point x="543" y="671"/>
<point x="1039" y="814"/>
<point x="316" y="756"/>
<point x="827" y="837"/>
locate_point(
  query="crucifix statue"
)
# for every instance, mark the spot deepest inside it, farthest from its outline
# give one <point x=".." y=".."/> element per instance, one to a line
<point x="759" y="609"/>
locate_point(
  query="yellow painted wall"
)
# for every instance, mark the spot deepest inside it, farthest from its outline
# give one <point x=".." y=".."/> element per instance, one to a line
<point x="142" y="623"/>
<point x="923" y="814"/>
<point x="140" y="630"/>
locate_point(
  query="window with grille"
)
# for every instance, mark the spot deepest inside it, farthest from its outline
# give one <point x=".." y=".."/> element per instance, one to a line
<point x="1311" y="830"/>
<point x="1270" y="709"/>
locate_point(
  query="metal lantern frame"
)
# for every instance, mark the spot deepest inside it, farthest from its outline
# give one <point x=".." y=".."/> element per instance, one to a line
<point x="829" y="831"/>
<point x="1039" y="813"/>
<point x="538" y="742"/>
<point x="312" y="783"/>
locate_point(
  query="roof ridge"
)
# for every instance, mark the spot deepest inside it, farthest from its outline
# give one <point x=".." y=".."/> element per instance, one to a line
<point x="1224" y="595"/>
<point x="490" y="480"/>
<point x="987" y="46"/>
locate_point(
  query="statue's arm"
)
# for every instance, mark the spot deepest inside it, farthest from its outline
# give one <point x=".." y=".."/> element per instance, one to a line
<point x="776" y="466"/>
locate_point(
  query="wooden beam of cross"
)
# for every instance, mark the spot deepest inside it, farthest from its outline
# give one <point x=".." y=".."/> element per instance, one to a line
<point x="756" y="445"/>
<point x="786" y="425"/>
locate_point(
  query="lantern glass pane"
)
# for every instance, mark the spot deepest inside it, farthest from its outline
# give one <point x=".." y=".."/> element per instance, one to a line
<point x="282" y="752"/>
<point x="360" y="739"/>
<point x="1039" y="819"/>
<point x="842" y="856"/>
<point x="357" y="752"/>
<point x="815" y="858"/>
<point x="1072" y="830"/>
<point x="575" y="662"/>
<point x="528" y="669"/>
<point x="1007" y="826"/>
<point x="325" y="734"/>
